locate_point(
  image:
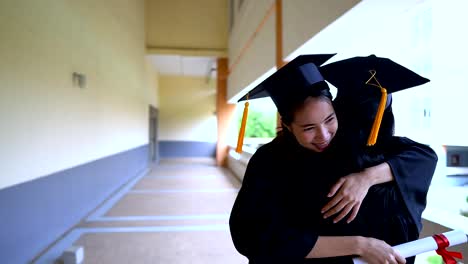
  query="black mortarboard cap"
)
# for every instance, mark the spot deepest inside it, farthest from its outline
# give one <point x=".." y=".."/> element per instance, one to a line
<point x="292" y="82"/>
<point x="367" y="82"/>
<point x="288" y="86"/>
<point x="349" y="76"/>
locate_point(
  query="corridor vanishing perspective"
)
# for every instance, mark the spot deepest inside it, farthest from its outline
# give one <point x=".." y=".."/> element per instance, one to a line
<point x="177" y="212"/>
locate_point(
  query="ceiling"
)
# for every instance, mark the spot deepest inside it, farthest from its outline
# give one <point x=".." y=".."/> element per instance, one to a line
<point x="174" y="26"/>
<point x="184" y="65"/>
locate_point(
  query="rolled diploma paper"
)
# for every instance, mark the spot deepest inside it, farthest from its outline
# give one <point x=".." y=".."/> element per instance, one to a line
<point x="423" y="245"/>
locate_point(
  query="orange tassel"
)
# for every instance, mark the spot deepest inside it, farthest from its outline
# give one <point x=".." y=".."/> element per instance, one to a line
<point x="378" y="119"/>
<point x="380" y="111"/>
<point x="240" y="139"/>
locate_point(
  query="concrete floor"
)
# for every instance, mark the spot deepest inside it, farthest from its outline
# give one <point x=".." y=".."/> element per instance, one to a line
<point x="175" y="213"/>
<point x="178" y="212"/>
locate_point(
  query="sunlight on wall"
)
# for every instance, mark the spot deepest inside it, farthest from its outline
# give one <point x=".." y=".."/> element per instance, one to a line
<point x="423" y="36"/>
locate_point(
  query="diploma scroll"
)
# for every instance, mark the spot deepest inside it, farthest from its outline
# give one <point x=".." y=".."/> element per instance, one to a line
<point x="427" y="244"/>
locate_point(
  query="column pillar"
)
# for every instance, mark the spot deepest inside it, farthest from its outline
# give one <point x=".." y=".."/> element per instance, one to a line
<point x="224" y="112"/>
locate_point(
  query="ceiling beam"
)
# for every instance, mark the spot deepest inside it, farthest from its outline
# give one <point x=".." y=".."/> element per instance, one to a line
<point x="187" y="51"/>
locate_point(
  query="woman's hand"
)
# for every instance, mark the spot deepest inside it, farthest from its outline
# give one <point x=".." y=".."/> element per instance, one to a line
<point x="371" y="250"/>
<point x="376" y="251"/>
<point x="348" y="194"/>
<point x="350" y="191"/>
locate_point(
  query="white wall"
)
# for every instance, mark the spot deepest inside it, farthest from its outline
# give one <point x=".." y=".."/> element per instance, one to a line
<point x="302" y="19"/>
<point x="260" y="56"/>
<point x="423" y="36"/>
<point x="450" y="79"/>
<point x="47" y="124"/>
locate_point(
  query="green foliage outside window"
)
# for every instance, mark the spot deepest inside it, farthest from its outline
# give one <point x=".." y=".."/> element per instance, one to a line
<point x="464" y="211"/>
<point x="260" y="124"/>
<point x="435" y="259"/>
<point x="261" y="119"/>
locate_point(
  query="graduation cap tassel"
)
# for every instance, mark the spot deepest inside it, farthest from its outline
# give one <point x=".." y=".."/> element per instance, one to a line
<point x="378" y="119"/>
<point x="380" y="111"/>
<point x="240" y="139"/>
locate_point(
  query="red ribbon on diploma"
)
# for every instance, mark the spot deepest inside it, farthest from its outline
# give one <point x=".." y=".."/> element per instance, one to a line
<point x="447" y="256"/>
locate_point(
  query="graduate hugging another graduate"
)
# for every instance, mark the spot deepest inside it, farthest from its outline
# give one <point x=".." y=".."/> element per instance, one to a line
<point x="335" y="183"/>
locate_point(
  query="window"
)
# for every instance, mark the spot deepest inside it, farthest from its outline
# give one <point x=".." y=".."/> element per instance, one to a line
<point x="261" y="121"/>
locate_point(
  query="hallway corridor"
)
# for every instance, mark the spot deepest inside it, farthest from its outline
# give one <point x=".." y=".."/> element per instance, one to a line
<point x="177" y="212"/>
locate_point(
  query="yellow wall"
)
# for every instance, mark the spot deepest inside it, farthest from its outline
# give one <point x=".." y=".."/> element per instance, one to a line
<point x="302" y="19"/>
<point x="187" y="27"/>
<point x="46" y="123"/>
<point x="152" y="83"/>
<point x="187" y="109"/>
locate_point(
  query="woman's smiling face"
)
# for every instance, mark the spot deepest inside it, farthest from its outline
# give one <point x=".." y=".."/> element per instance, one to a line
<point x="315" y="124"/>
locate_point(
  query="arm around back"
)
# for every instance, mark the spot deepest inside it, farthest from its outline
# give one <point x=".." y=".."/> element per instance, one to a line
<point x="260" y="225"/>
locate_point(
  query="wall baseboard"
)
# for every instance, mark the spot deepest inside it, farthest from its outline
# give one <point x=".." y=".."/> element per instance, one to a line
<point x="34" y="214"/>
<point x="185" y="149"/>
<point x="208" y="161"/>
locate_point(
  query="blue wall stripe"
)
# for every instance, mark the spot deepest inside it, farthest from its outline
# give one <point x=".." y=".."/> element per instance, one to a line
<point x="34" y="214"/>
<point x="186" y="149"/>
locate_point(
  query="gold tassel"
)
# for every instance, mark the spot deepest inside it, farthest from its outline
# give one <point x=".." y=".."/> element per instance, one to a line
<point x="240" y="139"/>
<point x="378" y="119"/>
<point x="380" y="111"/>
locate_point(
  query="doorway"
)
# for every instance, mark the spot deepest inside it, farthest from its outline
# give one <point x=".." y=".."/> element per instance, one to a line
<point x="153" y="135"/>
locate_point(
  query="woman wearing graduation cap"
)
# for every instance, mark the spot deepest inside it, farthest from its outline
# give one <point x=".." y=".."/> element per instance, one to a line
<point x="299" y="189"/>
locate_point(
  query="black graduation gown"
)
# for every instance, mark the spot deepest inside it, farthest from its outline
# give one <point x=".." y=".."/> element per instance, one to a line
<point x="276" y="216"/>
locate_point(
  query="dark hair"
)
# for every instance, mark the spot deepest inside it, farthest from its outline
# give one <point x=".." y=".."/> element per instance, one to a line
<point x="355" y="126"/>
<point x="317" y="90"/>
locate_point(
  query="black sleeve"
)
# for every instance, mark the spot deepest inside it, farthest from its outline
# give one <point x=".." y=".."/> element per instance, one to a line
<point x="259" y="223"/>
<point x="413" y="165"/>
